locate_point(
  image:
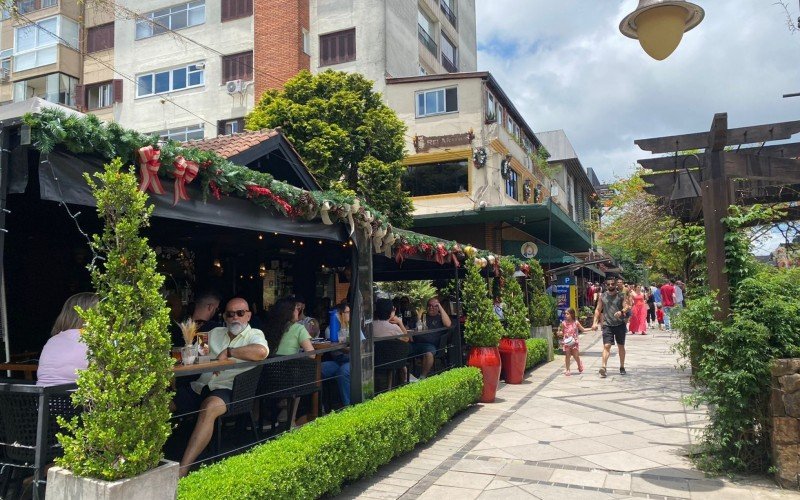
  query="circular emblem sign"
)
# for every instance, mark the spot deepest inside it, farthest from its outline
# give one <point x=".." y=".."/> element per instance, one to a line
<point x="529" y="250"/>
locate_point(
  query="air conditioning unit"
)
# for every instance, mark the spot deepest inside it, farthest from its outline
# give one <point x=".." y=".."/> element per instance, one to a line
<point x="234" y="87"/>
<point x="5" y="75"/>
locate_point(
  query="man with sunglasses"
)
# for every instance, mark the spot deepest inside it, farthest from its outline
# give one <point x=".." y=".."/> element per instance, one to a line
<point x="211" y="392"/>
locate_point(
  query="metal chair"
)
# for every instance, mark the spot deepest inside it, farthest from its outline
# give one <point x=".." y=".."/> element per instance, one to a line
<point x="391" y="355"/>
<point x="243" y="394"/>
<point x="442" y="355"/>
<point x="28" y="418"/>
<point x="286" y="380"/>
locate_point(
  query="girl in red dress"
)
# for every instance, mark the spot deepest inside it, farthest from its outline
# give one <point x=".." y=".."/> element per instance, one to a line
<point x="568" y="334"/>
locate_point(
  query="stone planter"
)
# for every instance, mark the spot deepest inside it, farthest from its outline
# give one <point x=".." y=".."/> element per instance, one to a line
<point x="488" y="360"/>
<point x="544" y="332"/>
<point x="513" y="354"/>
<point x="785" y="411"/>
<point x="160" y="483"/>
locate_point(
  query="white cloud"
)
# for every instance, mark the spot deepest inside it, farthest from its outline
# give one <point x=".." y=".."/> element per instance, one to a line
<point x="566" y="65"/>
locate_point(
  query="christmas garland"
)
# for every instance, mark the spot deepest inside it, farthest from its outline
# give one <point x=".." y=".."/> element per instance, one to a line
<point x="219" y="177"/>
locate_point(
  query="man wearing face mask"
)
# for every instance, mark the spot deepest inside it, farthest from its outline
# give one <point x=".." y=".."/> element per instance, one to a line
<point x="613" y="306"/>
<point x="211" y="393"/>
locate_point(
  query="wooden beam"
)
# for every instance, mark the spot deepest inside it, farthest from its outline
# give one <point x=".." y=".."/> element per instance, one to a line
<point x="762" y="168"/>
<point x="663" y="163"/>
<point x="735" y="136"/>
<point x="716" y="197"/>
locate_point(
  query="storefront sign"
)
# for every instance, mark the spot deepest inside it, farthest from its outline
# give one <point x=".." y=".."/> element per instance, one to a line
<point x="424" y="143"/>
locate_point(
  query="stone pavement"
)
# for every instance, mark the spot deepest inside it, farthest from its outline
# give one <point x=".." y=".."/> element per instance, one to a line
<point x="571" y="437"/>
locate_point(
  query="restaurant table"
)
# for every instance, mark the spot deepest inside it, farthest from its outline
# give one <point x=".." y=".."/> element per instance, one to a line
<point x="27" y="369"/>
<point x="415" y="333"/>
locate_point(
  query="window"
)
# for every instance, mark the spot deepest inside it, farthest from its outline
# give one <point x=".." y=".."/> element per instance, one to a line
<point x="306" y="42"/>
<point x="425" y="31"/>
<point x="449" y="55"/>
<point x="35" y="44"/>
<point x="182" y="134"/>
<point x="99" y="96"/>
<point x="236" y="9"/>
<point x="170" y="80"/>
<point x="237" y="67"/>
<point x="499" y="114"/>
<point x="490" y="106"/>
<point x="100" y="37"/>
<point x="449" y="9"/>
<point x="512" y="184"/>
<point x="25" y="6"/>
<point x="337" y="48"/>
<point x="172" y="18"/>
<point x="436" y="178"/>
<point x="229" y="127"/>
<point x="55" y="87"/>
<point x="5" y="64"/>
<point x="436" y="102"/>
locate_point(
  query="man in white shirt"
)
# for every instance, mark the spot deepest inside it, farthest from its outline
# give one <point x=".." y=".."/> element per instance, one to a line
<point x="211" y="393"/>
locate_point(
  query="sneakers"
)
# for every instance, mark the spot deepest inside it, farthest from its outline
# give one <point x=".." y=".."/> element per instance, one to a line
<point x="622" y="370"/>
<point x="602" y="373"/>
<point x="412" y="379"/>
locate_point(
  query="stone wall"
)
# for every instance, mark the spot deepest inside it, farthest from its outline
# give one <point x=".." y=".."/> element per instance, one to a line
<point x="785" y="407"/>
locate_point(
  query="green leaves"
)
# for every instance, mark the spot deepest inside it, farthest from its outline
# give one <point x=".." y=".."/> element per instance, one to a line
<point x="537" y="352"/>
<point x="124" y="391"/>
<point x="315" y="460"/>
<point x="514" y="310"/>
<point x="483" y="327"/>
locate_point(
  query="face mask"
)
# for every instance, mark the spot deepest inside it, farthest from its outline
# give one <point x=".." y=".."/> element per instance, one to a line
<point x="235" y="328"/>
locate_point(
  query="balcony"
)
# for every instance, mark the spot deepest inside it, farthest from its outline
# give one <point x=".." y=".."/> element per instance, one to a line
<point x="449" y="66"/>
<point x="55" y="87"/>
<point x="448" y="12"/>
<point x="426" y="40"/>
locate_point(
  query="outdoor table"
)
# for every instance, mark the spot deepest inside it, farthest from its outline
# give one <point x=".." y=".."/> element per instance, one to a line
<point x="414" y="333"/>
<point x="27" y="369"/>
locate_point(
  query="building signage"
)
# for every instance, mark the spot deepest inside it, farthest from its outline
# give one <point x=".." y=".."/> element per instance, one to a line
<point x="424" y="143"/>
<point x="529" y="250"/>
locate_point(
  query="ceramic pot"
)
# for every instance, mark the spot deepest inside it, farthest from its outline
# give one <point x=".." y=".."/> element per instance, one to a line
<point x="512" y="354"/>
<point x="488" y="360"/>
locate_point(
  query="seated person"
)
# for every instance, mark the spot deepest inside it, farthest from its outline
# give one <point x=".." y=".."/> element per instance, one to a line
<point x="64" y="354"/>
<point x="206" y="305"/>
<point x="211" y="393"/>
<point x="308" y="322"/>
<point x="339" y="364"/>
<point x="436" y="318"/>
<point x="386" y="323"/>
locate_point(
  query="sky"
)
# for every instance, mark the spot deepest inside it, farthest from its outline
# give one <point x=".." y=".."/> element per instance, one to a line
<point x="566" y="66"/>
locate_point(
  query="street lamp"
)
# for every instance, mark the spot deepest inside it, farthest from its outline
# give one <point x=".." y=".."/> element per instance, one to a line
<point x="660" y="24"/>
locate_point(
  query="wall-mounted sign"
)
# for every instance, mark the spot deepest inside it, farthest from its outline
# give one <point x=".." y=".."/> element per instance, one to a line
<point x="424" y="143"/>
<point x="529" y="250"/>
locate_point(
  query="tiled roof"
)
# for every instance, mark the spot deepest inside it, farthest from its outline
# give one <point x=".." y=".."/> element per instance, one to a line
<point x="231" y="145"/>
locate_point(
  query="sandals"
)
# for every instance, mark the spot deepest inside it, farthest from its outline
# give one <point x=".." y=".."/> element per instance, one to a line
<point x="580" y="366"/>
<point x="603" y="372"/>
<point x="567" y="373"/>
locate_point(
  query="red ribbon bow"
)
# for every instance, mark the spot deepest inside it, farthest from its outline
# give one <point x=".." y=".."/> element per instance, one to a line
<point x="148" y="169"/>
<point x="403" y="251"/>
<point x="185" y="172"/>
<point x="441" y="253"/>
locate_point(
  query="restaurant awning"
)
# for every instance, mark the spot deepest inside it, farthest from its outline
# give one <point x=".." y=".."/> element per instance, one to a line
<point x="534" y="219"/>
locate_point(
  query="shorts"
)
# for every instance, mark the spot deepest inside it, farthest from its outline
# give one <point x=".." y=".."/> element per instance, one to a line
<point x="188" y="401"/>
<point x="614" y="333"/>
<point x="420" y="348"/>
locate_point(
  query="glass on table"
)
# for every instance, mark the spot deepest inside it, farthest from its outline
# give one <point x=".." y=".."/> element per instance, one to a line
<point x="176" y="354"/>
<point x="189" y="354"/>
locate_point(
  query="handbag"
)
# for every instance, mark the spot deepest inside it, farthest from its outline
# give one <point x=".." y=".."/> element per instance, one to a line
<point x="569" y="341"/>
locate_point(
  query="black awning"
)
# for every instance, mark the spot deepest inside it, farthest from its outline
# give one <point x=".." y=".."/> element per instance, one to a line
<point x="61" y="179"/>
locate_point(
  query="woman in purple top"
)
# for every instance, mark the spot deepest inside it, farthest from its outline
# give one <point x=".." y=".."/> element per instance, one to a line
<point x="64" y="354"/>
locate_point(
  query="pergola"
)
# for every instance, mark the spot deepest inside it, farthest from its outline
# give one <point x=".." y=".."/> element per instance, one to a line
<point x="735" y="166"/>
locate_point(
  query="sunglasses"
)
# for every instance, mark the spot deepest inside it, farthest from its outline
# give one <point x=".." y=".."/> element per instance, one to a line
<point x="240" y="313"/>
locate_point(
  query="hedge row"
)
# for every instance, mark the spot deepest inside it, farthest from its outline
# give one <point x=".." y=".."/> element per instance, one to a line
<point x="319" y="457"/>
<point x="537" y="352"/>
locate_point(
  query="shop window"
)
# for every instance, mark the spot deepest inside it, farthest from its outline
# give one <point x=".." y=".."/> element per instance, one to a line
<point x="436" y="178"/>
<point x="337" y="48"/>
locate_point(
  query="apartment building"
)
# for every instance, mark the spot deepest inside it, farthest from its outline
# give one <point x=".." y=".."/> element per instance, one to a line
<point x="473" y="171"/>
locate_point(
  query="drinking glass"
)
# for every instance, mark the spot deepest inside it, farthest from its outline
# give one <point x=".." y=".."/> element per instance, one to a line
<point x="189" y="354"/>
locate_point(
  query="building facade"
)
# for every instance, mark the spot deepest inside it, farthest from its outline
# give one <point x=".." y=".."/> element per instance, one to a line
<point x="194" y="69"/>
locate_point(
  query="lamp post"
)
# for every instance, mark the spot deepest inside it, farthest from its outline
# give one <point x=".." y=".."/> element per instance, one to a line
<point x="553" y="192"/>
<point x="660" y="24"/>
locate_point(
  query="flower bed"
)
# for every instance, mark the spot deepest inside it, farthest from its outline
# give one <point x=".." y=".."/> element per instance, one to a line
<point x="321" y="456"/>
<point x="537" y="352"/>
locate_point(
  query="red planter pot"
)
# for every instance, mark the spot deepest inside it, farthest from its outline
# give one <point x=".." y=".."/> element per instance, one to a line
<point x="513" y="353"/>
<point x="488" y="360"/>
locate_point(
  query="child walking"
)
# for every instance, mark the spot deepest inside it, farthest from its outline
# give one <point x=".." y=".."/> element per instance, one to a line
<point x="568" y="333"/>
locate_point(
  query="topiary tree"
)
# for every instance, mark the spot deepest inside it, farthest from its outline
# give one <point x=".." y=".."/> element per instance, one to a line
<point x="540" y="305"/>
<point x="124" y="391"/>
<point x="517" y="324"/>
<point x="482" y="328"/>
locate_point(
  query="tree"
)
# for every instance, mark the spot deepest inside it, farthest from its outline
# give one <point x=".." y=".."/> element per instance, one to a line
<point x="482" y="328"/>
<point x="124" y="392"/>
<point x="348" y="137"/>
<point x="516" y="314"/>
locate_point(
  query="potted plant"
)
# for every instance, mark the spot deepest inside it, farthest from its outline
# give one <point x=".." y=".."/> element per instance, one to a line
<point x="113" y="448"/>
<point x="541" y="306"/>
<point x="513" y="351"/>
<point x="482" y="330"/>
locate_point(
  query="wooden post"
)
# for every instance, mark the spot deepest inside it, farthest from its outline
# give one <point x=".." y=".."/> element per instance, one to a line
<point x="716" y="200"/>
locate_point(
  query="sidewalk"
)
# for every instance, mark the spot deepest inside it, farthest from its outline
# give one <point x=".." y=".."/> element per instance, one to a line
<point x="571" y="437"/>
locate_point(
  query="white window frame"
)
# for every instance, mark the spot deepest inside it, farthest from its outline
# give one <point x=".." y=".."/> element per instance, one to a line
<point x="66" y="33"/>
<point x="105" y="95"/>
<point x="181" y="134"/>
<point x="146" y="23"/>
<point x="170" y="71"/>
<point x="443" y="99"/>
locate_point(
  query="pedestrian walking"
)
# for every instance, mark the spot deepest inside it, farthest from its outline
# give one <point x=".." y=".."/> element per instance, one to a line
<point x="678" y="294"/>
<point x="612" y="308"/>
<point x="568" y="339"/>
<point x="638" y="323"/>
<point x="651" y="308"/>
<point x="668" y="302"/>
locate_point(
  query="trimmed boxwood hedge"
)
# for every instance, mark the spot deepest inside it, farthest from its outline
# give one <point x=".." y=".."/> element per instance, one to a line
<point x="321" y="456"/>
<point x="537" y="352"/>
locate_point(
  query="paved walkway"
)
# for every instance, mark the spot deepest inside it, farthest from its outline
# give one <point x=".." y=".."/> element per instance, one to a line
<point x="571" y="437"/>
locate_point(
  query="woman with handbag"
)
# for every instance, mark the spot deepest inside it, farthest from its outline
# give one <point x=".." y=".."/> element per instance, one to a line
<point x="568" y="334"/>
